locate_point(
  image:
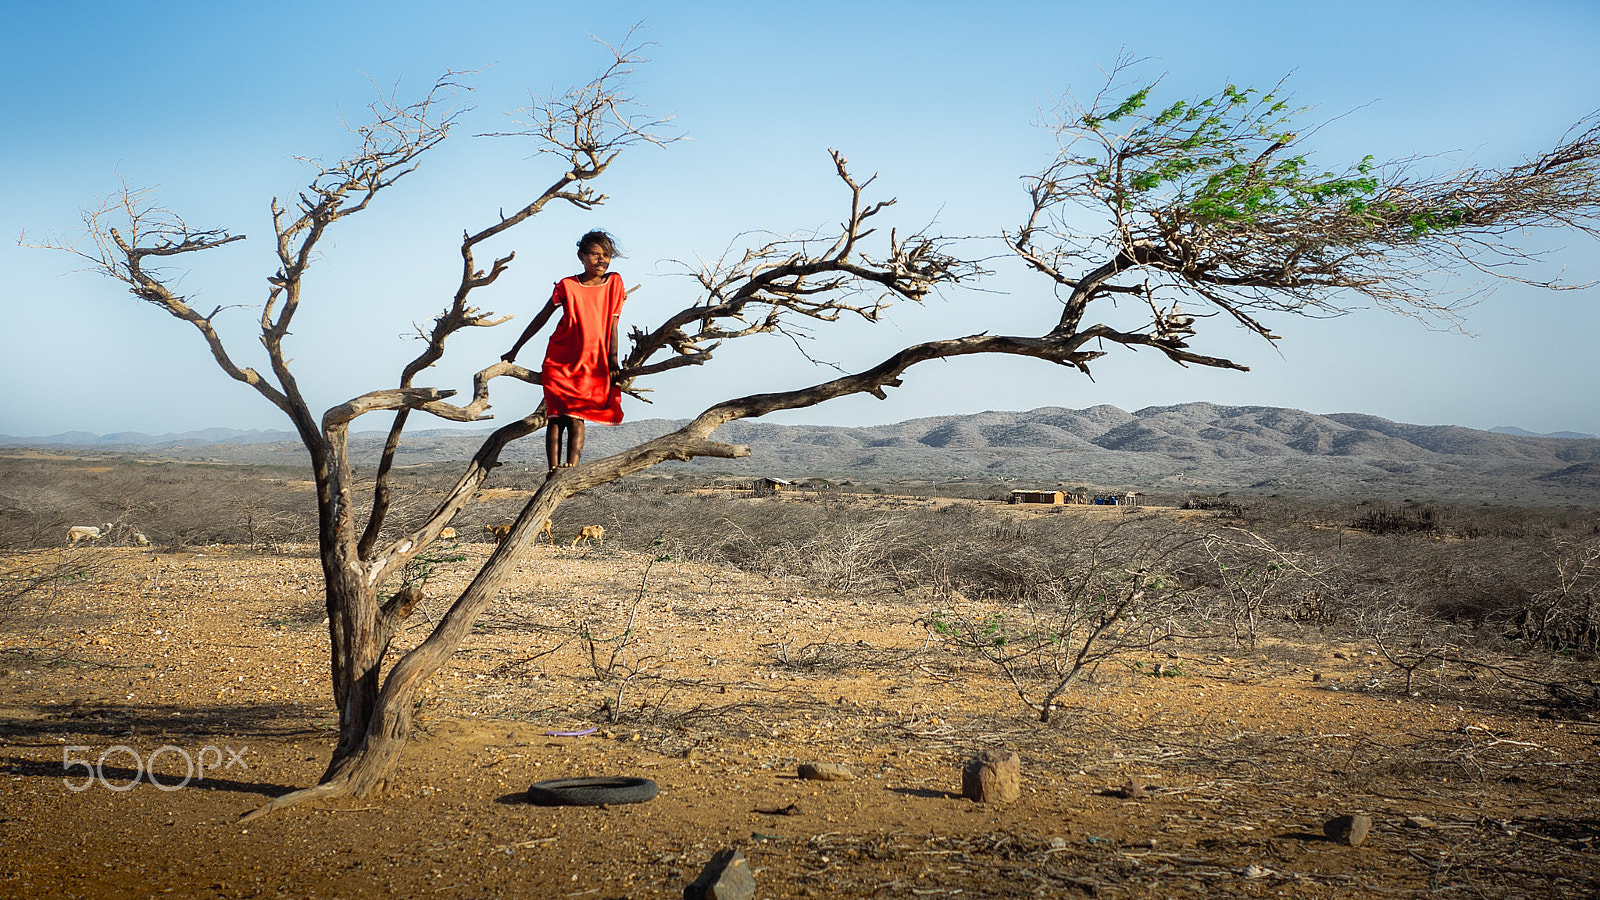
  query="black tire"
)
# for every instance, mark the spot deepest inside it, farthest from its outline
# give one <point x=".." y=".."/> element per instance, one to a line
<point x="591" y="791"/>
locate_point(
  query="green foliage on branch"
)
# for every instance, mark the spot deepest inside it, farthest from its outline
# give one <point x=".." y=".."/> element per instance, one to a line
<point x="1215" y="158"/>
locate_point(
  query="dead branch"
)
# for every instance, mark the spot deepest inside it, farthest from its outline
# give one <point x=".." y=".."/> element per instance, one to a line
<point x="769" y="286"/>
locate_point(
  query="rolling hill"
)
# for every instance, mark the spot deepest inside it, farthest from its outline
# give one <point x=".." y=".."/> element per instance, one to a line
<point x="1193" y="447"/>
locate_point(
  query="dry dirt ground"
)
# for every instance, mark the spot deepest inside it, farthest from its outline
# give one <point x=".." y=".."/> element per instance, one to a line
<point x="726" y="683"/>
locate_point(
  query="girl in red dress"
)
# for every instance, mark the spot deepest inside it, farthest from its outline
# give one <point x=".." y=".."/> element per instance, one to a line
<point x="580" y="367"/>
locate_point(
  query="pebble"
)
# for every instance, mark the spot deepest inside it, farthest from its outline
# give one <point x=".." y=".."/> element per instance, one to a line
<point x="1419" y="822"/>
<point x="1133" y="790"/>
<point x="825" y="772"/>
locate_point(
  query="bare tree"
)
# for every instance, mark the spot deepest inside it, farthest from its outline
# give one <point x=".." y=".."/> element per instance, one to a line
<point x="1249" y="237"/>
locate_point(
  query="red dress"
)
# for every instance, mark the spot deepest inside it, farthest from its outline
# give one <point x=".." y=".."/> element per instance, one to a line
<point x="577" y="373"/>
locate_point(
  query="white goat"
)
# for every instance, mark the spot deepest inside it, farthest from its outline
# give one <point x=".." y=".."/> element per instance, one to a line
<point x="87" y="533"/>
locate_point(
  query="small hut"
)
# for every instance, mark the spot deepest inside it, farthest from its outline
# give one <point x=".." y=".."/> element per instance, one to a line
<point x="762" y="487"/>
<point x="1055" y="498"/>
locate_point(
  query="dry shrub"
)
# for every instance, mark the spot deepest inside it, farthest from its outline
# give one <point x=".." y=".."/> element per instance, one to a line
<point x="174" y="504"/>
<point x="31" y="581"/>
<point x="1565" y="614"/>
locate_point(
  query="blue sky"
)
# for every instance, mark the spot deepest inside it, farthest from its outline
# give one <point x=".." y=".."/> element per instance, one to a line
<point x="211" y="103"/>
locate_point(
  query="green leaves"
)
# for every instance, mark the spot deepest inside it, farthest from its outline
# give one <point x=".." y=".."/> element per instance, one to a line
<point x="1229" y="163"/>
<point x="1128" y="107"/>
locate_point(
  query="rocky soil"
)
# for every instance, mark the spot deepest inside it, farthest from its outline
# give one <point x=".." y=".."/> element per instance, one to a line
<point x="1214" y="779"/>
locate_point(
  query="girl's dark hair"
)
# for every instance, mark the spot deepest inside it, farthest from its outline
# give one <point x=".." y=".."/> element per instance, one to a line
<point x="601" y="239"/>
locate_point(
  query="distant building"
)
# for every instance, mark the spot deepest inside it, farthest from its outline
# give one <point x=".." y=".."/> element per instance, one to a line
<point x="1055" y="498"/>
<point x="1130" y="498"/>
<point x="762" y="486"/>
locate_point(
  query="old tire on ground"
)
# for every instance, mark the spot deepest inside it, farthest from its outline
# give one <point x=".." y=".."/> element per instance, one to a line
<point x="591" y="791"/>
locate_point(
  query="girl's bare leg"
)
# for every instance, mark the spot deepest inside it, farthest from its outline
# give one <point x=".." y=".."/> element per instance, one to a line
<point x="575" y="441"/>
<point x="552" y="440"/>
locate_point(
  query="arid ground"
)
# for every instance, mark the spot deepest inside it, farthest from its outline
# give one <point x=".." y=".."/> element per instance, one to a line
<point x="1212" y="779"/>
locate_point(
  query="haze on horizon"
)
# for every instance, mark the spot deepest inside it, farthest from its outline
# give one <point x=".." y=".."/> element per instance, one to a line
<point x="212" y="102"/>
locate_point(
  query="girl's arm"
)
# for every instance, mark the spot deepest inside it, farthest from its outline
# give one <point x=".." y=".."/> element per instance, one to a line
<point x="532" y="329"/>
<point x="616" y="326"/>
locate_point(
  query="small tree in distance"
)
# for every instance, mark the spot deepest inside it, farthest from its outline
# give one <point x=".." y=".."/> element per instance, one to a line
<point x="1206" y="201"/>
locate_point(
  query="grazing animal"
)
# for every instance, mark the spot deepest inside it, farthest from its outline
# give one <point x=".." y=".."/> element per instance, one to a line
<point x="595" y="532"/>
<point x="448" y="534"/>
<point x="140" y="539"/>
<point x="87" y="533"/>
<point x="500" y="531"/>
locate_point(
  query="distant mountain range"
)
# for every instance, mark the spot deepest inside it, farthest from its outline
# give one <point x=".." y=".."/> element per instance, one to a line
<point x="1193" y="447"/>
<point x="1570" y="435"/>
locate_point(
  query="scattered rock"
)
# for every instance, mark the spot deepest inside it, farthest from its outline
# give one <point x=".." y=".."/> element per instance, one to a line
<point x="1340" y="654"/>
<point x="792" y="809"/>
<point x="1316" y="676"/>
<point x="993" y="776"/>
<point x="1058" y="843"/>
<point x="1255" y="871"/>
<point x="726" y="877"/>
<point x="825" y="772"/>
<point x="1348" y="830"/>
<point x="1133" y="790"/>
<point x="1419" y="822"/>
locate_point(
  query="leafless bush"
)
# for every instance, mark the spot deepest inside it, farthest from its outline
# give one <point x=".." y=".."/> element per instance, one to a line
<point x="1109" y="597"/>
<point x="613" y="657"/>
<point x="1254" y="579"/>
<point x="1565" y="614"/>
<point x="31" y="582"/>
<point x="1392" y="521"/>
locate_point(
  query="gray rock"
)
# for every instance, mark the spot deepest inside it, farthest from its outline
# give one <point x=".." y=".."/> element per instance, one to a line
<point x="993" y="776"/>
<point x="1419" y="822"/>
<point x="825" y="772"/>
<point x="1133" y="790"/>
<point x="726" y="877"/>
<point x="1349" y="830"/>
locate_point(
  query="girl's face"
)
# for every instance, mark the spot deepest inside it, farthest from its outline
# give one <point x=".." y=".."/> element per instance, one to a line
<point x="595" y="261"/>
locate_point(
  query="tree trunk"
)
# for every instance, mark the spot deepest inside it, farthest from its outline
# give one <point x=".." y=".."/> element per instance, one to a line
<point x="375" y="723"/>
<point x="358" y="642"/>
